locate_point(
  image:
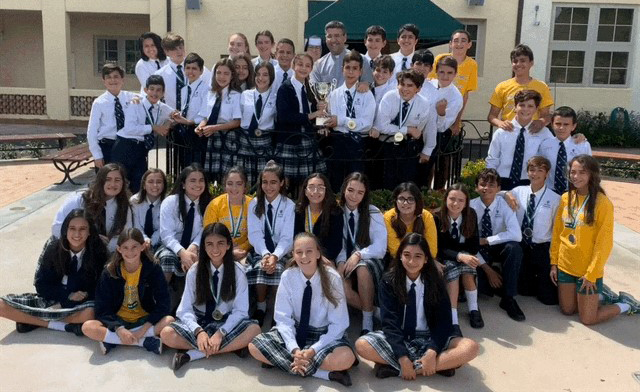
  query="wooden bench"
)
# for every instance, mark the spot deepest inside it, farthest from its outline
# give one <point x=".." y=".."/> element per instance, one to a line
<point x="69" y="160"/>
<point x="61" y="138"/>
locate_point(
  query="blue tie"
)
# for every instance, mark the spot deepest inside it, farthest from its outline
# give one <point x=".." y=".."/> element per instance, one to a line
<point x="186" y="105"/>
<point x="560" y="180"/>
<point x="72" y="277"/>
<point x="350" y="110"/>
<point x="148" y="221"/>
<point x="305" y="101"/>
<point x="211" y="305"/>
<point x="268" y="240"/>
<point x="305" y="312"/>
<point x="404" y="64"/>
<point x="352" y="230"/>
<point x="410" y="316"/>
<point x="518" y="158"/>
<point x="527" y="222"/>
<point x="179" y="86"/>
<point x="285" y="76"/>
<point x="258" y="112"/>
<point x="119" y="114"/>
<point x="486" y="231"/>
<point x="185" y="240"/>
<point x="215" y="111"/>
<point x="150" y="139"/>
<point x="454" y="231"/>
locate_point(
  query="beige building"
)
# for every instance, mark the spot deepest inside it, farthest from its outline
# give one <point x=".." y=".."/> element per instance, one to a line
<point x="52" y="50"/>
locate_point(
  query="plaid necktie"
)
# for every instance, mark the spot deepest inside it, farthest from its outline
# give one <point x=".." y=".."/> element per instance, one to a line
<point x="518" y="158"/>
<point x="186" y="105"/>
<point x="560" y="181"/>
<point x="150" y="139"/>
<point x="119" y="114"/>
<point x="268" y="239"/>
<point x="179" y="86"/>
<point x="486" y="231"/>
<point x="350" y="110"/>
<point x="527" y="222"/>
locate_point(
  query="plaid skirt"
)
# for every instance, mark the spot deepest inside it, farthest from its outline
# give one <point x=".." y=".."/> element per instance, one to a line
<point x="375" y="268"/>
<point x="253" y="153"/>
<point x="222" y="149"/>
<point x="301" y="159"/>
<point x="272" y="346"/>
<point x="211" y="328"/>
<point x="454" y="269"/>
<point x="256" y="275"/>
<point x="416" y="348"/>
<point x="36" y="306"/>
<point x="169" y="261"/>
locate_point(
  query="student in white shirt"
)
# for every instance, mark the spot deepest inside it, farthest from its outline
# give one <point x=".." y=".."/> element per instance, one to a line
<point x="407" y="40"/>
<point x="271" y="220"/>
<point x="285" y="50"/>
<point x="351" y="118"/>
<point x="181" y="221"/>
<point x="510" y="150"/>
<point x="375" y="40"/>
<point x="134" y="141"/>
<point x="152" y="58"/>
<point x="312" y="318"/>
<point x="537" y="206"/>
<point x="213" y="315"/>
<point x="500" y="238"/>
<point x="107" y="114"/>
<point x="265" y="43"/>
<point x="146" y="206"/>
<point x="245" y="72"/>
<point x="173" y="71"/>
<point x="238" y="46"/>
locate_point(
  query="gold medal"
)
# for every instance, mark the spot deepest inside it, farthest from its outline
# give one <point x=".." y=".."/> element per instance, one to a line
<point x="351" y="124"/>
<point x="398" y="137"/>
<point x="217" y="315"/>
<point x="572" y="239"/>
<point x="528" y="232"/>
<point x="258" y="132"/>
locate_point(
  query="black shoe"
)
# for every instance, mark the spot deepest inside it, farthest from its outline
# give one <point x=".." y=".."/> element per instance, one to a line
<point x="364" y="332"/>
<point x="74" y="328"/>
<point x="266" y="366"/>
<point x="258" y="315"/>
<point x="24" y="328"/>
<point x="513" y="310"/>
<point x="456" y="331"/>
<point x="179" y="360"/>
<point x="475" y="319"/>
<point x="242" y="353"/>
<point x="342" y="377"/>
<point x="385" y="371"/>
<point x="356" y="362"/>
<point x="447" y="372"/>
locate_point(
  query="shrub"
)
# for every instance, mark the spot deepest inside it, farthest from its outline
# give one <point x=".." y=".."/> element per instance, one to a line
<point x="602" y="131"/>
<point x="469" y="173"/>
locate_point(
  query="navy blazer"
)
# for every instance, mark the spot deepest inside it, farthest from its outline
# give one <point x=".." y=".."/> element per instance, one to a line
<point x="392" y="314"/>
<point x="448" y="248"/>
<point x="332" y="242"/>
<point x="288" y="116"/>
<point x="153" y="293"/>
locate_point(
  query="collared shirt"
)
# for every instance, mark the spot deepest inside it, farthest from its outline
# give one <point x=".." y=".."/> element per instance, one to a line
<point x="421" y="318"/>
<point x="171" y="225"/>
<point x="504" y="222"/>
<point x="288" y="307"/>
<point x="549" y="149"/>
<point x="199" y="89"/>
<point x="297" y="86"/>
<point x="459" y="226"/>
<point x="170" y="74"/>
<point x="503" y="147"/>
<point x="429" y="92"/>
<point x="102" y="120"/>
<point x="329" y="67"/>
<point x="364" y="106"/>
<point x="237" y="308"/>
<point x="79" y="255"/>
<point x="381" y="90"/>
<point x="377" y="234"/>
<point x="248" y="108"/>
<point x="258" y="60"/>
<point x="454" y="103"/>
<point x="136" y="116"/>
<point x="397" y="58"/>
<point x="547" y="202"/>
<point x="277" y="82"/>
<point x="284" y="217"/>
<point x="466" y="79"/>
<point x="229" y="107"/>
<point x="140" y="216"/>
<point x="146" y="68"/>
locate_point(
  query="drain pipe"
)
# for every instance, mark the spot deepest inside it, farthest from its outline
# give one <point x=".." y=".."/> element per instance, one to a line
<point x="168" y="16"/>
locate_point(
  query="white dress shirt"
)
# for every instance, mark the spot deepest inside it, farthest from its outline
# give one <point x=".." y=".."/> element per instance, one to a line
<point x="279" y="77"/>
<point x="503" y="147"/>
<point x="454" y="103"/>
<point x="199" y="90"/>
<point x="504" y="222"/>
<point x="547" y="202"/>
<point x="136" y="115"/>
<point x="248" y="108"/>
<point x="171" y="225"/>
<point x="421" y="318"/>
<point x="323" y="313"/>
<point x="284" y="218"/>
<point x="429" y="92"/>
<point x="146" y="68"/>
<point x="102" y="120"/>
<point x="258" y="60"/>
<point x="397" y="58"/>
<point x="237" y="309"/>
<point x="65" y="278"/>
<point x="459" y="226"/>
<point x="381" y="90"/>
<point x="364" y="106"/>
<point x="549" y="149"/>
<point x="229" y="108"/>
<point x="170" y="74"/>
<point x="377" y="234"/>
<point x="140" y="216"/>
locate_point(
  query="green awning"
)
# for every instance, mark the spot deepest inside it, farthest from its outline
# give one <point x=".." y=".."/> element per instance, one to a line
<point x="357" y="15"/>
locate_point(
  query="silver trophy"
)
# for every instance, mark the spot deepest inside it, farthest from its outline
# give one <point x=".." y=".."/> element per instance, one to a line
<point x="321" y="91"/>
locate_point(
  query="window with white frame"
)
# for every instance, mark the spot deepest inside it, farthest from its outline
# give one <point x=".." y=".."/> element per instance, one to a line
<point x="124" y="51"/>
<point x="591" y="45"/>
<point x="476" y="29"/>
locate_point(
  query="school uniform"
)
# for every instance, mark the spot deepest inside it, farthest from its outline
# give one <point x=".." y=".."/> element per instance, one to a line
<point x="233" y="314"/>
<point x="499" y="225"/>
<point x="146" y="68"/>
<point x="75" y="200"/>
<point x="466" y="79"/>
<point x="329" y="68"/>
<point x="326" y="327"/>
<point x="403" y="63"/>
<point x="332" y="242"/>
<point x="146" y="218"/>
<point x="451" y="243"/>
<point x="222" y="144"/>
<point x="106" y="118"/>
<point x="298" y="154"/>
<point x="193" y="96"/>
<point x="270" y="236"/>
<point x="366" y="58"/>
<point x="257" y="123"/>
<point x="280" y="77"/>
<point x="374" y="163"/>
<point x="172" y="232"/>
<point x="357" y="109"/>
<point x="502" y="153"/>
<point x="536" y="214"/>
<point x="134" y="141"/>
<point x="174" y="80"/>
<point x="551" y="149"/>
<point x="394" y="116"/>
<point x="433" y="328"/>
<point x="259" y="60"/>
<point x="234" y="217"/>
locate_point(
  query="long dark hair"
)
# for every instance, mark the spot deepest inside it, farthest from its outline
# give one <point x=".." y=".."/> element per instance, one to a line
<point x="95" y="199"/>
<point x="307" y="86"/>
<point x="95" y="251"/>
<point x="434" y="284"/>
<point x="469" y="218"/>
<point x="141" y="196"/>
<point x="329" y="204"/>
<point x="115" y="263"/>
<point x="364" y="212"/>
<point x="591" y="165"/>
<point x="157" y="41"/>
<point x="271" y="167"/>
<point x="178" y="189"/>
<point x="396" y="223"/>
<point x="203" y="273"/>
<point x="234" y="84"/>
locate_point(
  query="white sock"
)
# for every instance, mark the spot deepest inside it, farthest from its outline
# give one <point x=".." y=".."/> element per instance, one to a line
<point x="150" y="332"/>
<point x="367" y="320"/>
<point x="195" y="354"/>
<point x="112" y="337"/>
<point x="262" y="306"/>
<point x="454" y="316"/>
<point x="472" y="299"/>
<point x="624" y="308"/>
<point x="56" y="325"/>
<point x="322" y="374"/>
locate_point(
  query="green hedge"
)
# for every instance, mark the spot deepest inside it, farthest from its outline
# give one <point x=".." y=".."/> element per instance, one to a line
<point x="602" y="132"/>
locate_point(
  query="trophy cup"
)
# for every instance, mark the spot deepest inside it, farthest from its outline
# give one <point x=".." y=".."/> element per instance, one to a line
<point x="321" y="91"/>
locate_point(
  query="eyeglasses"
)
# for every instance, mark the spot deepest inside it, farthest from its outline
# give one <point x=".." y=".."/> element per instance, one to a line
<point x="406" y="200"/>
<point x="315" y="188"/>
